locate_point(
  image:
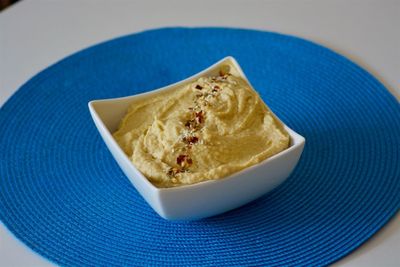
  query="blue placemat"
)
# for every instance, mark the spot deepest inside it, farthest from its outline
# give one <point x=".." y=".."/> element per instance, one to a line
<point x="63" y="195"/>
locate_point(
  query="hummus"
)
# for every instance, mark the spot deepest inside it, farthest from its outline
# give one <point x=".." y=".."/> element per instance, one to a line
<point x="207" y="129"/>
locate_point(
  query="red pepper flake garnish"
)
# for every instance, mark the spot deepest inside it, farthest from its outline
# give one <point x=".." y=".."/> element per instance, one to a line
<point x="191" y="124"/>
<point x="184" y="161"/>
<point x="215" y="88"/>
<point x="172" y="172"/>
<point x="199" y="87"/>
<point x="199" y="117"/>
<point x="188" y="124"/>
<point x="190" y="140"/>
<point x="181" y="158"/>
<point x="194" y="123"/>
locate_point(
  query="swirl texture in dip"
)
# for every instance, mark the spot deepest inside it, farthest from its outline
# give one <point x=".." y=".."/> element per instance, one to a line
<point x="204" y="130"/>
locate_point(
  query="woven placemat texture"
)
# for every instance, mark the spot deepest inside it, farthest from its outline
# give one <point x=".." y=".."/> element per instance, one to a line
<point x="64" y="196"/>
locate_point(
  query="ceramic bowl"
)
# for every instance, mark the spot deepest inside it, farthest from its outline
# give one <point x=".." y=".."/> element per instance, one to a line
<point x="206" y="198"/>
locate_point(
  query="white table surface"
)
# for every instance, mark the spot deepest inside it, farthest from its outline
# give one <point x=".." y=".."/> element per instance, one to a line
<point x="35" y="34"/>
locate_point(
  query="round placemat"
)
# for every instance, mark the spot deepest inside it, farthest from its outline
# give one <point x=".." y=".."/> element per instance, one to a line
<point x="63" y="195"/>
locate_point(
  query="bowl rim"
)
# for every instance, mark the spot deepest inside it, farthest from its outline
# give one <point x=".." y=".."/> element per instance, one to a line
<point x="296" y="140"/>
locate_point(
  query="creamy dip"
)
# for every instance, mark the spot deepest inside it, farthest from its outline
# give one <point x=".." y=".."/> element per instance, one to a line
<point x="207" y="129"/>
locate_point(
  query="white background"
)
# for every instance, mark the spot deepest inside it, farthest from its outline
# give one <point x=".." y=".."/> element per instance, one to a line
<point x="35" y="34"/>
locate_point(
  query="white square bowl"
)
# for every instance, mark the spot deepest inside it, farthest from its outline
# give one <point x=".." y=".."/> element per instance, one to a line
<point x="206" y="198"/>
